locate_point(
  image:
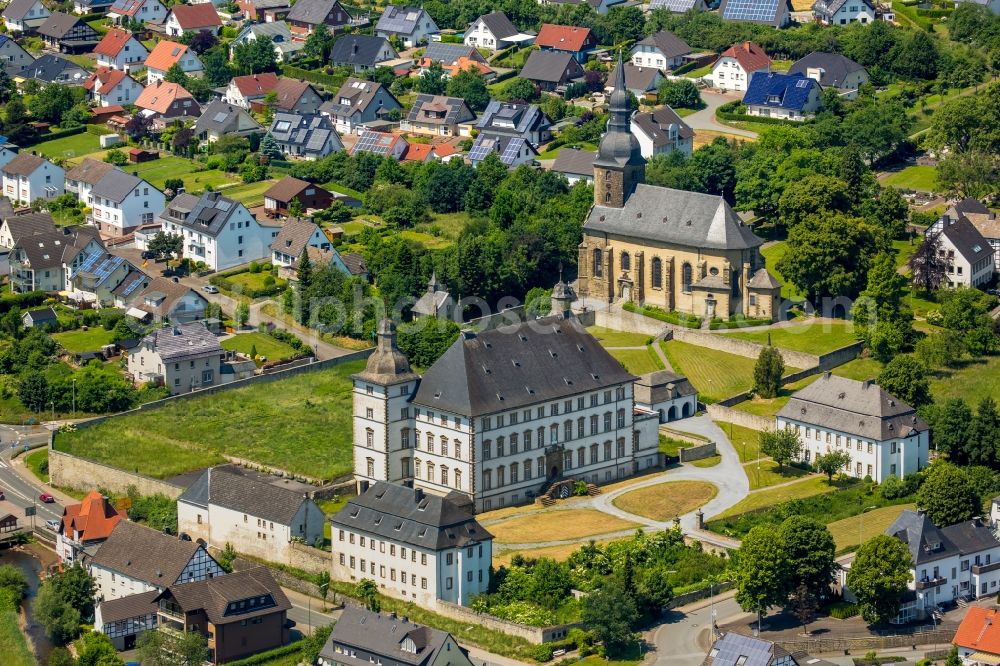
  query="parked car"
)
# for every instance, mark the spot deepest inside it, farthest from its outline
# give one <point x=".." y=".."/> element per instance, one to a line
<point x="211" y="289"/>
<point x="52" y="524"/>
<point x="47" y="498"/>
<point x="148" y="254"/>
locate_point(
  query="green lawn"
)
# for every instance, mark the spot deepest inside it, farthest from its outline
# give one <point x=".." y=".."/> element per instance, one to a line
<point x="250" y="281"/>
<point x="343" y="189"/>
<point x="428" y="241"/>
<point x="773" y="254"/>
<point x="859" y="369"/>
<point x="450" y="225"/>
<point x="638" y="361"/>
<point x="814" y="485"/>
<point x="976" y="380"/>
<point x="698" y="73"/>
<point x="916" y="177"/>
<point x="767" y="474"/>
<point x="83" y="341"/>
<point x="34" y="462"/>
<point x="13" y="643"/>
<point x="744" y="440"/>
<point x="846" y="531"/>
<point x="301" y="424"/>
<point x="158" y="171"/>
<point x="77" y="145"/>
<point x="904" y="250"/>
<point x="609" y="337"/>
<point x="812" y="337"/>
<point x="716" y="375"/>
<point x="272" y="349"/>
<point x="771" y="406"/>
<point x="554" y="153"/>
<point x="249" y="194"/>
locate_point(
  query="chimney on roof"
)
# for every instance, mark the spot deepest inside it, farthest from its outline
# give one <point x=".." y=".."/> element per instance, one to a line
<point x="177" y="280"/>
<point x="418" y="495"/>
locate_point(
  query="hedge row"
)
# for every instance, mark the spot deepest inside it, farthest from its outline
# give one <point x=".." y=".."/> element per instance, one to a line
<point x="744" y="117"/>
<point x="58" y="134"/>
<point x="737" y="322"/>
<point x="28" y="299"/>
<point x="269" y="656"/>
<point x="676" y="318"/>
<point x="314" y="77"/>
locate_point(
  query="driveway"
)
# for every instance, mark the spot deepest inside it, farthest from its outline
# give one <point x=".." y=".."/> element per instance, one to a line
<point x="705" y="118"/>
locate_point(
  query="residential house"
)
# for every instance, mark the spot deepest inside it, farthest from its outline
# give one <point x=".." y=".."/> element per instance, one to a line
<point x="119" y="49"/>
<point x="218" y="231"/>
<point x="576" y="41"/>
<point x="661" y="132"/>
<point x="411" y="25"/>
<point x="163" y="102"/>
<point x="435" y="301"/>
<point x="121" y="202"/>
<point x="439" y="115"/>
<point x="513" y="151"/>
<point x="640" y="81"/>
<point x="361" y="636"/>
<point x="85" y="526"/>
<point x="832" y="70"/>
<point x="183" y="357"/>
<point x="285" y="48"/>
<point x="668" y="394"/>
<point x="109" y="87"/>
<point x="80" y="180"/>
<point x="737" y="65"/>
<point x="124" y="620"/>
<point x="16" y="61"/>
<point x="48" y="261"/>
<point x="95" y="280"/>
<point x="293" y="239"/>
<point x="883" y="435"/>
<point x="734" y="649"/>
<point x="981" y="217"/>
<point x="575" y="165"/>
<point x="255" y="10"/>
<point x="495" y="32"/>
<point x="970" y="257"/>
<point x="428" y="548"/>
<point x="460" y="410"/>
<point x="244" y="90"/>
<point x="41" y="318"/>
<point x="279" y="197"/>
<point x="775" y="13"/>
<point x="24" y="15"/>
<point x="361" y="52"/>
<point x="663" y="50"/>
<point x="359" y="102"/>
<point x="551" y="69"/>
<point x="167" y="54"/>
<point x="306" y="15"/>
<point x="134" y="559"/>
<point x="305" y="136"/>
<point x="29" y="177"/>
<point x="679" y="6"/>
<point x="221" y="118"/>
<point x="15" y="227"/>
<point x="189" y="19"/>
<point x="50" y="68"/>
<point x="160" y="299"/>
<point x="239" y="614"/>
<point x="68" y="34"/>
<point x="526" y="121"/>
<point x="296" y="96"/>
<point x="599" y="6"/>
<point x="143" y="11"/>
<point x="842" y="12"/>
<point x="978" y="637"/>
<point x="786" y="96"/>
<point x="425" y="152"/>
<point x="86" y="7"/>
<point x="454" y="58"/>
<point x="260" y="515"/>
<point x="384" y="144"/>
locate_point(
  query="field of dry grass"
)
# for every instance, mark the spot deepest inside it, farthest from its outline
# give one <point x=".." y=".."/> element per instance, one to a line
<point x="557" y="525"/>
<point x="557" y="553"/>
<point x="666" y="501"/>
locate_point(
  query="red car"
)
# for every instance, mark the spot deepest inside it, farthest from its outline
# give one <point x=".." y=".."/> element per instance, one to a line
<point x="47" y="498"/>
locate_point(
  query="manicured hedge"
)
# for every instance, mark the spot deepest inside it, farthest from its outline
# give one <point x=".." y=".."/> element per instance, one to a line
<point x="843" y="610"/>
<point x="676" y="318"/>
<point x="28" y="299"/>
<point x="269" y="656"/>
<point x="58" y="134"/>
<point x="331" y="80"/>
<point x="724" y="113"/>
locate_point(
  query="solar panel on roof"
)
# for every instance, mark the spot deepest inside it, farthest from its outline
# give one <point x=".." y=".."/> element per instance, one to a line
<point x="91" y="261"/>
<point x="175" y="51"/>
<point x="512" y="150"/>
<point x="132" y="286"/>
<point x="220" y="116"/>
<point x="483" y="147"/>
<point x="761" y="11"/>
<point x="677" y="6"/>
<point x="802" y="84"/>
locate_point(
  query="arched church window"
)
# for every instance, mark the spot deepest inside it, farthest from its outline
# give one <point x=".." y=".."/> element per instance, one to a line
<point x="686" y="278"/>
<point x="607" y="197"/>
<point x="598" y="263"/>
<point x="657" y="273"/>
<point x="626" y="261"/>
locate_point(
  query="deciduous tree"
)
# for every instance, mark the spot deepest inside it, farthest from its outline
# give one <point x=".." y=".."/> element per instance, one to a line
<point x="810" y="550"/>
<point x="832" y="462"/>
<point x="783" y="445"/>
<point x="762" y="570"/>
<point x="878" y="577"/>
<point x="948" y="496"/>
<point x="906" y="378"/>
<point x="767" y="372"/>
<point x="610" y="613"/>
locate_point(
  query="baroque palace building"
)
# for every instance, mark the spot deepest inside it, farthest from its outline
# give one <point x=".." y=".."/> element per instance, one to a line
<point x="676" y="250"/>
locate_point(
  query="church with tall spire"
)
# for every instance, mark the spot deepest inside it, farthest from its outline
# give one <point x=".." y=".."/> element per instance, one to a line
<point x="680" y="251"/>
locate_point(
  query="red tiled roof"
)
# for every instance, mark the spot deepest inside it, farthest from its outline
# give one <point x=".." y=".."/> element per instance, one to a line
<point x="253" y="85"/>
<point x="160" y="95"/>
<point x="94" y="518"/>
<point x="104" y="80"/>
<point x="201" y="15"/>
<point x="418" y="152"/>
<point x="165" y="54"/>
<point x="979" y="631"/>
<point x="750" y="56"/>
<point x="562" y="37"/>
<point x="113" y="42"/>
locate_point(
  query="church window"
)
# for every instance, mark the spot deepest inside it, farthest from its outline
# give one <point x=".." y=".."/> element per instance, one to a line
<point x="657" y="273"/>
<point x="607" y="197"/>
<point x="607" y="174"/>
<point x="626" y="261"/>
<point x="598" y="263"/>
<point x="686" y="279"/>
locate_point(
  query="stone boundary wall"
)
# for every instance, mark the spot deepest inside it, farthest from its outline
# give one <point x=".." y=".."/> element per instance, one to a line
<point x="698" y="595"/>
<point x="70" y="471"/>
<point x="697" y="452"/>
<point x="536" y="635"/>
<point x="719" y="412"/>
<point x="861" y="644"/>
<point x="305" y="557"/>
<point x="629" y="322"/>
<point x="720" y="342"/>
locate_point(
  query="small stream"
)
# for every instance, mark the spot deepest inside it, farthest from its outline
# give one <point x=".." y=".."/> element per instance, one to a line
<point x="31" y="567"/>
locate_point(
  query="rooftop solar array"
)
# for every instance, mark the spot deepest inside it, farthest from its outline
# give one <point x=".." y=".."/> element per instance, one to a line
<point x="508" y="148"/>
<point x="447" y="53"/>
<point x="90" y="261"/>
<point x="760" y="11"/>
<point x="736" y="649"/>
<point x="375" y="142"/>
<point x="398" y="19"/>
<point x="483" y="146"/>
<point x="676" y="6"/>
<point x="132" y="286"/>
<point x="107" y="267"/>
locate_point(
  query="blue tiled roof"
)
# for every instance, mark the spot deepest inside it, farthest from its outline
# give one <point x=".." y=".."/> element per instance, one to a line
<point x="781" y="91"/>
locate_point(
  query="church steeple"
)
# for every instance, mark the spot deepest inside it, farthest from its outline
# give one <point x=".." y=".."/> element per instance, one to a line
<point x="619" y="166"/>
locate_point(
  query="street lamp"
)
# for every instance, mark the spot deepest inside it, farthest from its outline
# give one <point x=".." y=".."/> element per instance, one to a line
<point x="52" y="406"/>
<point x="74" y="397"/>
<point x="861" y="521"/>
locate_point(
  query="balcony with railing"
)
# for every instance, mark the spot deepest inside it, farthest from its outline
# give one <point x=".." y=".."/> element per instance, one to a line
<point x="928" y="582"/>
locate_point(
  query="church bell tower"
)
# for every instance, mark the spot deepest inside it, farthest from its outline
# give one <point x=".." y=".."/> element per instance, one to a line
<point x="619" y="166"/>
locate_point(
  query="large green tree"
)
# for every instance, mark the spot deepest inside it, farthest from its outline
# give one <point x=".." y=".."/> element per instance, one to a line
<point x="767" y="372"/>
<point x="470" y="86"/>
<point x="810" y="550"/>
<point x="783" y="445"/>
<point x="906" y="378"/>
<point x="762" y="570"/>
<point x="158" y="648"/>
<point x="879" y="576"/>
<point x="948" y="496"/>
<point x="610" y="614"/>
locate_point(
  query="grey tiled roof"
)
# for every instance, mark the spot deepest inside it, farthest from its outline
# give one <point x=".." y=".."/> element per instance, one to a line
<point x="400" y="20"/>
<point x="509" y="367"/>
<point x="763" y="279"/>
<point x="30" y="224"/>
<point x="58" y="25"/>
<point x="116" y="185"/>
<point x="524" y="117"/>
<point x="662" y="385"/>
<point x="667" y="43"/>
<point x="499" y="25"/>
<point x="145" y="554"/>
<point x="411" y="516"/>
<point x="857" y="408"/>
<point x="575" y="162"/>
<point x="551" y="67"/>
<point x="231" y="489"/>
<point x="213" y="595"/>
<point x="383" y="635"/>
<point x="360" y="92"/>
<point x="835" y="67"/>
<point x="17" y="9"/>
<point x="967" y="240"/>
<point x="636" y="78"/>
<point x="206" y="214"/>
<point x="220" y="116"/>
<point x="656" y="125"/>
<point x="448" y="53"/>
<point x="49" y="67"/>
<point x="89" y="171"/>
<point x="928" y="543"/>
<point x="364" y="50"/>
<point x="53" y="249"/>
<point x="426" y="106"/>
<point x="308" y="131"/>
<point x="23" y="164"/>
<point x="675" y="216"/>
<point x="132" y="606"/>
<point x="294" y="237"/>
<point x="313" y="12"/>
<point x="183" y="340"/>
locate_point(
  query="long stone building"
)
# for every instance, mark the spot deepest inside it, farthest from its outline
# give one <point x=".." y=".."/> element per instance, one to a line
<point x="676" y="250"/>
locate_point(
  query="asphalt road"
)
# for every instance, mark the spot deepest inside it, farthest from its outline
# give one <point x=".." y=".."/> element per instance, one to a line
<point x="684" y="638"/>
<point x="17" y="490"/>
